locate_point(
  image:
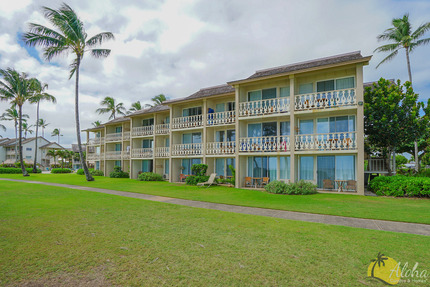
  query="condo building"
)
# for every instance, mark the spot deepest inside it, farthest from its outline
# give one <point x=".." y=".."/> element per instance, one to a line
<point x="302" y="121"/>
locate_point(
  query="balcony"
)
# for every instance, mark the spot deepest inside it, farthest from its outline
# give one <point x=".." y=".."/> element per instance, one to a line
<point x="326" y="142"/>
<point x="162" y="129"/>
<point x="325" y="100"/>
<point x="221" y="148"/>
<point x="162" y="152"/>
<point x="265" y="144"/>
<point x="221" y="118"/>
<point x="142" y="152"/>
<point x="116" y="155"/>
<point x="94" y="156"/>
<point x="187" y="122"/>
<point x="264" y="107"/>
<point x="126" y="136"/>
<point x="96" y="141"/>
<point x="114" y="137"/>
<point x="187" y="149"/>
<point x="10" y="152"/>
<point x="142" y="131"/>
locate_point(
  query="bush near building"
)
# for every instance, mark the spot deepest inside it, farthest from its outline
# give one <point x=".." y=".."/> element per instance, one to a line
<point x="294" y="188"/>
<point x="15" y="170"/>
<point x="150" y="176"/>
<point x="118" y="173"/>
<point x="61" y="170"/>
<point x="401" y="186"/>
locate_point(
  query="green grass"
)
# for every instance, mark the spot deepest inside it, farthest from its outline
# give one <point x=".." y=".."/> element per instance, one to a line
<point x="52" y="236"/>
<point x="395" y="209"/>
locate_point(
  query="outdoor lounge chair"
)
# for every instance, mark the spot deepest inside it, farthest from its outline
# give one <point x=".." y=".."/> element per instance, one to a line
<point x="328" y="184"/>
<point x="351" y="185"/>
<point x="210" y="182"/>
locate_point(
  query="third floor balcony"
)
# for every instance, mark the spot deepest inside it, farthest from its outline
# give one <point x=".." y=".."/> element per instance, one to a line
<point x="187" y="122"/>
<point x="264" y="107"/>
<point x="325" y="100"/>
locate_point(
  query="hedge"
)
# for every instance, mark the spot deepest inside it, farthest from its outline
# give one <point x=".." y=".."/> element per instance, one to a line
<point x="400" y="185"/>
<point x="295" y="188"/>
<point x="61" y="170"/>
<point x="14" y="170"/>
<point x="150" y="176"/>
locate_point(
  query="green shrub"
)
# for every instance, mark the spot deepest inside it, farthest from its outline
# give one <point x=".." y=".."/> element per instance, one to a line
<point x="97" y="172"/>
<point x="302" y="187"/>
<point x="80" y="171"/>
<point x="61" y="170"/>
<point x="399" y="185"/>
<point x="118" y="173"/>
<point x="425" y="172"/>
<point x="15" y="170"/>
<point x="26" y="165"/>
<point x="199" y="169"/>
<point x="232" y="180"/>
<point x="150" y="176"/>
<point x="194" y="179"/>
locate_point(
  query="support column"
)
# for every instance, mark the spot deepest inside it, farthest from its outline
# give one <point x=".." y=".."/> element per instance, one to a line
<point x="293" y="175"/>
<point x="237" y="128"/>
<point x="131" y="147"/>
<point x="204" y="135"/>
<point x="170" y="145"/>
<point x="360" y="129"/>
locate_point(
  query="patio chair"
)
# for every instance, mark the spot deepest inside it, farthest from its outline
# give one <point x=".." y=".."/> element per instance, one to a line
<point x="351" y="185"/>
<point x="328" y="184"/>
<point x="182" y="177"/>
<point x="264" y="182"/>
<point x="210" y="182"/>
<point x="248" y="182"/>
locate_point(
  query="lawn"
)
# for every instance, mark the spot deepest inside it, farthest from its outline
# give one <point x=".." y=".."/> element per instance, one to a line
<point x="395" y="209"/>
<point x="52" y="236"/>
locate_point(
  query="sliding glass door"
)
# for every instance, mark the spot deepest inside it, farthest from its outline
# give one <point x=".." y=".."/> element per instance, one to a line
<point x="339" y="167"/>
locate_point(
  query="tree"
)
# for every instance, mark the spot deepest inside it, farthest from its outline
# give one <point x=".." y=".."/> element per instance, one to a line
<point x="403" y="38"/>
<point x="17" y="89"/>
<point x="96" y="124"/>
<point x="11" y="114"/>
<point x="52" y="153"/>
<point x="43" y="124"/>
<point x="69" y="37"/>
<point x="38" y="96"/>
<point x="27" y="129"/>
<point x="157" y="100"/>
<point x="111" y="107"/>
<point x="56" y="133"/>
<point x="401" y="160"/>
<point x="390" y="116"/>
<point x="136" y="106"/>
<point x="63" y="154"/>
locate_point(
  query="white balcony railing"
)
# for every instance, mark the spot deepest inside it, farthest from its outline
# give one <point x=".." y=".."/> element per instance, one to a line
<point x="221" y="118"/>
<point x="325" y="100"/>
<point x="330" y="141"/>
<point x="265" y="144"/>
<point x="221" y="148"/>
<point x="187" y="149"/>
<point x="113" y="155"/>
<point x="125" y="154"/>
<point x="378" y="165"/>
<point x="126" y="136"/>
<point x="94" y="156"/>
<point x="96" y="141"/>
<point x="142" y="152"/>
<point x="113" y="137"/>
<point x="264" y="107"/>
<point x="162" y="129"/>
<point x="187" y="122"/>
<point x="11" y="152"/>
<point x="142" y="131"/>
<point x="162" y="152"/>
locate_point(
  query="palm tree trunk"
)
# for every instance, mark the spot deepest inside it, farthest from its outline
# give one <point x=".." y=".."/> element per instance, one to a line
<point x="35" y="148"/>
<point x="88" y="176"/>
<point x="409" y="65"/>
<point x="24" y="171"/>
<point x="16" y="143"/>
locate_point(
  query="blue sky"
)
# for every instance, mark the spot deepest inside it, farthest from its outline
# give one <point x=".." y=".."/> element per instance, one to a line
<point x="177" y="47"/>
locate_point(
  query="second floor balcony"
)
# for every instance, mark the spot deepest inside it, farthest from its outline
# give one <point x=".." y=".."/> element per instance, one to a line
<point x="264" y="107"/>
<point x="220" y="148"/>
<point x="142" y="131"/>
<point x="96" y="141"/>
<point x="162" y="152"/>
<point x="326" y="142"/>
<point x="142" y="152"/>
<point x="325" y="100"/>
<point x="187" y="149"/>
<point x="187" y="122"/>
<point x="115" y="137"/>
<point x="10" y="152"/>
<point x="95" y="156"/>
<point x="265" y="144"/>
<point x="113" y="155"/>
<point x="162" y="129"/>
<point x="221" y="118"/>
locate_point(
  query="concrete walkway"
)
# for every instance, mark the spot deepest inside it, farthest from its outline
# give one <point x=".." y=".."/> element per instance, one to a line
<point x="412" y="228"/>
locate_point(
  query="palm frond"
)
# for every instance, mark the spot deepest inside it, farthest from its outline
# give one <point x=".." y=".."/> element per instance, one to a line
<point x="419" y="43"/>
<point x="100" y="53"/>
<point x="99" y="39"/>
<point x="388" y="48"/>
<point x="388" y="58"/>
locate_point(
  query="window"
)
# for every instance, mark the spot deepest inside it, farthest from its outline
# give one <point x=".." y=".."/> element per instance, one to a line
<point x="262" y="129"/>
<point x="284" y="167"/>
<point x="254" y="96"/>
<point x="166" y="166"/>
<point x="220" y="108"/>
<point x="97" y="165"/>
<point x="117" y="147"/>
<point x="307" y="167"/>
<point x="188" y="163"/>
<point x="306" y="88"/>
<point x="269" y="93"/>
<point x="147" y="165"/>
<point x="117" y="163"/>
<point x="28" y="148"/>
<point x="28" y="157"/>
<point x="284" y="128"/>
<point x="340" y="167"/>
<point x="192" y="111"/>
<point x="336" y="124"/>
<point x="306" y="127"/>
<point x="147" y="122"/>
<point x="118" y="130"/>
<point x="147" y="143"/>
<point x="191" y="138"/>
<point x="167" y="143"/>
<point x="222" y="166"/>
<point x="284" y="92"/>
<point x="262" y="166"/>
<point x="338" y="84"/>
<point x="325" y="86"/>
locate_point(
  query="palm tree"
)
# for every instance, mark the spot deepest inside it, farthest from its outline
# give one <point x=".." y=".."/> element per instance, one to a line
<point x="136" y="106"/>
<point x="17" y="89"/>
<point x="403" y="38"/>
<point x="96" y="124"/>
<point x="70" y="36"/>
<point x="379" y="259"/>
<point x="63" y="154"/>
<point x="43" y="124"/>
<point x="11" y="114"/>
<point x="53" y="153"/>
<point x="38" y="96"/>
<point x="111" y="107"/>
<point x="157" y="100"/>
<point x="26" y="128"/>
<point x="56" y="133"/>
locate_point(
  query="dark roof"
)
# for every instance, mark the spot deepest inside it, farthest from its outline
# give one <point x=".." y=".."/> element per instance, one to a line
<point x="159" y="108"/>
<point x="75" y="147"/>
<point x="206" y="92"/>
<point x="50" y="143"/>
<point x="307" y="65"/>
<point x="114" y="121"/>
